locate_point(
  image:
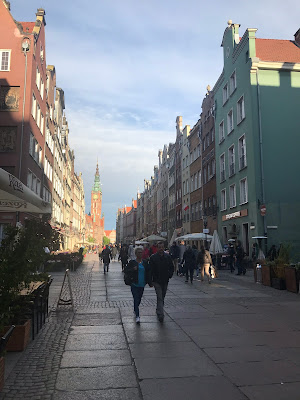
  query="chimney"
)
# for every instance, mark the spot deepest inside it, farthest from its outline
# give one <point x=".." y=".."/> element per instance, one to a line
<point x="297" y="38"/>
<point x="40" y="15"/>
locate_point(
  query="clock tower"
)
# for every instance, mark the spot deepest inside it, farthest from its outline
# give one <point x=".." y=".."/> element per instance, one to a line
<point x="97" y="220"/>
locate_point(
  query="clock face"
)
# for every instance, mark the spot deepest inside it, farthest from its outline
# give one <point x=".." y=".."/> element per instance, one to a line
<point x="95" y="197"/>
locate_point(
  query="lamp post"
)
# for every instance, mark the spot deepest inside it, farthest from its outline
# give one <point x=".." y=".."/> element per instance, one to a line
<point x="205" y="229"/>
<point x="83" y="235"/>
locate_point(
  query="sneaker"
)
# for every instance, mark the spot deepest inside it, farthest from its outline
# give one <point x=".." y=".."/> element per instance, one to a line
<point x="197" y="276"/>
<point x="161" y="318"/>
<point x="186" y="280"/>
<point x="137" y="320"/>
<point x="191" y="282"/>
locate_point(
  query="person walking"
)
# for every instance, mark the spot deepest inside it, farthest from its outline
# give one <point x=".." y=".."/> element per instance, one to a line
<point x="106" y="257"/>
<point x="131" y="253"/>
<point x="231" y="255"/>
<point x="181" y="252"/>
<point x="123" y="256"/>
<point x="138" y="271"/>
<point x="161" y="269"/>
<point x="240" y="258"/>
<point x="204" y="259"/>
<point x="175" y="253"/>
<point x="114" y="252"/>
<point x="189" y="260"/>
<point x="146" y="252"/>
<point x="196" y="252"/>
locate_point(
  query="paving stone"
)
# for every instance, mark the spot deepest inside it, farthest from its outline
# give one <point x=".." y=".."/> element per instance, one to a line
<point x="246" y="353"/>
<point x="109" y="394"/>
<point x="95" y="358"/>
<point x="93" y="341"/>
<point x="160" y="335"/>
<point x="204" y="388"/>
<point x="96" y="378"/>
<point x="79" y="330"/>
<point x="262" y="372"/>
<point x="285" y="391"/>
<point x="161" y="350"/>
<point x="176" y="367"/>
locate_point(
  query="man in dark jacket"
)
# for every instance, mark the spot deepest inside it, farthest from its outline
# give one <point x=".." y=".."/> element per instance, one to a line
<point x="106" y="257"/>
<point x="189" y="260"/>
<point x="162" y="269"/>
<point x="175" y="253"/>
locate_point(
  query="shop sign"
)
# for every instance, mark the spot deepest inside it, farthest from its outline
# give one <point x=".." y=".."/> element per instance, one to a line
<point x="233" y="215"/>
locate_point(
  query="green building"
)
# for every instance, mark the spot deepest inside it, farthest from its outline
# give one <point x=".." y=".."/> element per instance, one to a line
<point x="257" y="128"/>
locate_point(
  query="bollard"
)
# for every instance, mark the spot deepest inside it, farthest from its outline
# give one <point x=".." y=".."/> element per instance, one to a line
<point x="258" y="274"/>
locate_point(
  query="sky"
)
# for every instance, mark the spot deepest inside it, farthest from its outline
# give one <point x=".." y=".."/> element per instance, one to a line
<point x="130" y="67"/>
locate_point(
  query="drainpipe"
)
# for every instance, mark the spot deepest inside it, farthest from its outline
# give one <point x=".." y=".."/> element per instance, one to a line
<point x="25" y="48"/>
<point x="262" y="174"/>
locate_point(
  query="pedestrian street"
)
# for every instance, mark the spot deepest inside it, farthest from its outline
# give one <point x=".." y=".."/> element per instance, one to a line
<point x="232" y="339"/>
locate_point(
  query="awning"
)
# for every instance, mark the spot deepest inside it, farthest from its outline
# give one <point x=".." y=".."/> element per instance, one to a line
<point x="15" y="196"/>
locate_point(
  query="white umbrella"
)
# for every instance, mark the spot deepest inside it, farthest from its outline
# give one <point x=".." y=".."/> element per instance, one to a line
<point x="154" y="238"/>
<point x="141" y="242"/>
<point x="215" y="246"/>
<point x="16" y="196"/>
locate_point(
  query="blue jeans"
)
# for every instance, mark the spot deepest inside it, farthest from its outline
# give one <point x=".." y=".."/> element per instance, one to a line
<point x="137" y="293"/>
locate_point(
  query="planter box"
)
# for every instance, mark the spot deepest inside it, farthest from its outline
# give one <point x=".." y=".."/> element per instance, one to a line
<point x="266" y="275"/>
<point x="278" y="283"/>
<point x="2" y="366"/>
<point x="19" y="338"/>
<point x="291" y="279"/>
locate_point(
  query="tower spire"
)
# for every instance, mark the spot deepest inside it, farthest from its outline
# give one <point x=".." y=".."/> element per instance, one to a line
<point x="97" y="184"/>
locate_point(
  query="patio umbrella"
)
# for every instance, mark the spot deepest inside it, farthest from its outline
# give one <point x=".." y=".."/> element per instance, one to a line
<point x="154" y="238"/>
<point x="16" y="196"/>
<point x="215" y="246"/>
<point x="141" y="242"/>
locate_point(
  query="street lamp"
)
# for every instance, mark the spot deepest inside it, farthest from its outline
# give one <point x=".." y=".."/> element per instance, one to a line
<point x="205" y="230"/>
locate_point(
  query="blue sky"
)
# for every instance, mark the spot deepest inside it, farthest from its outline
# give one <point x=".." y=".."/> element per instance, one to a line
<point x="128" y="68"/>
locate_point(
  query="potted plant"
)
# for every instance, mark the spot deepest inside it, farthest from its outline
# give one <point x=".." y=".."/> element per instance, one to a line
<point x="22" y="256"/>
<point x="266" y="273"/>
<point x="280" y="263"/>
<point x="292" y="277"/>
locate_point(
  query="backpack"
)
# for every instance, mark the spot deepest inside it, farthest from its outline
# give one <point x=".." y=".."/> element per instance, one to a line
<point x="128" y="279"/>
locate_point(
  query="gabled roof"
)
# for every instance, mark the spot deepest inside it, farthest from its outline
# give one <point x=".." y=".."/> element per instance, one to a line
<point x="277" y="50"/>
<point x="134" y="203"/>
<point x="28" y="26"/>
<point x="127" y="209"/>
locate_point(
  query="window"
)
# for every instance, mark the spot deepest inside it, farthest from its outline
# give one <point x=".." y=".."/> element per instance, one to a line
<point x="42" y="124"/>
<point x="208" y="172"/>
<point x="200" y="209"/>
<point x="38" y="78"/>
<point x="33" y="109"/>
<point x="225" y="93"/>
<point x="243" y="191"/>
<point x="198" y="150"/>
<point x="232" y="196"/>
<point x="196" y="180"/>
<point x="223" y="199"/>
<point x="200" y="179"/>
<point x="231" y="161"/>
<point x="240" y="110"/>
<point x="38" y="115"/>
<point x="221" y="132"/>
<point x="222" y="168"/>
<point x="42" y="88"/>
<point x="230" y="122"/>
<point x="213" y="167"/>
<point x="242" y="152"/>
<point x="4" y="60"/>
<point x="192" y="183"/>
<point x="187" y="186"/>
<point x="207" y="140"/>
<point x="29" y="179"/>
<point x="232" y="82"/>
<point x="212" y="135"/>
<point x="204" y="176"/>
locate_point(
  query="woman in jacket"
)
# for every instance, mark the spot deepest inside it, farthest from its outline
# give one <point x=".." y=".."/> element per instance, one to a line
<point x="189" y="260"/>
<point x="204" y="259"/>
<point x="139" y="272"/>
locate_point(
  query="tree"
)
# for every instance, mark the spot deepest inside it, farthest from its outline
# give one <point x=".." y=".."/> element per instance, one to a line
<point x="106" y="241"/>
<point x="91" y="239"/>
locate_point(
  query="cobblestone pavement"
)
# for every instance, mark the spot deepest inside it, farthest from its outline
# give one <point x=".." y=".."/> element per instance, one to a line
<point x="232" y="340"/>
